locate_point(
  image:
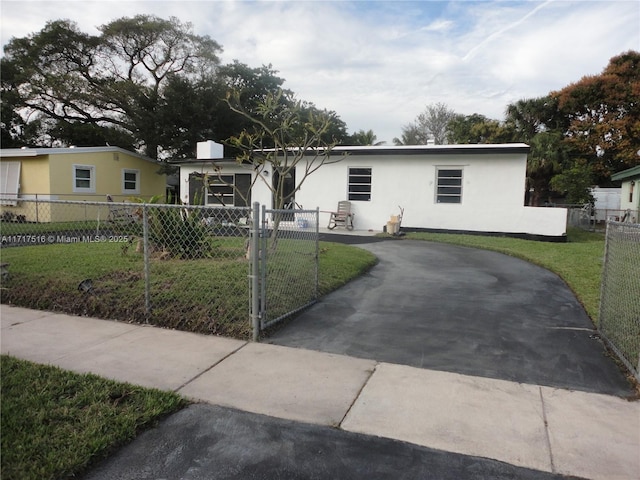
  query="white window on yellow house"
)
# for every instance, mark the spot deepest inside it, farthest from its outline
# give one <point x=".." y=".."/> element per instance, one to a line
<point x="130" y="181"/>
<point x="9" y="183"/>
<point x="84" y="179"/>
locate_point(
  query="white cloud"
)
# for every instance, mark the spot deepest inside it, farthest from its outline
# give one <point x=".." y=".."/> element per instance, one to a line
<point x="378" y="64"/>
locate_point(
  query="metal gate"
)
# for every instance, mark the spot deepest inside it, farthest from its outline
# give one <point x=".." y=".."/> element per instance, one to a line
<point x="284" y="257"/>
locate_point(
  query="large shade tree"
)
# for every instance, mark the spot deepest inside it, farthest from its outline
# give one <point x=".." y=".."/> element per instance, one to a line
<point x="602" y="114"/>
<point x="195" y="109"/>
<point x="110" y="85"/>
<point x="477" y="128"/>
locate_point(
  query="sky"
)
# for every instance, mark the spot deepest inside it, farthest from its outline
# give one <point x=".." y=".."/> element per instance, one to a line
<point x="378" y="64"/>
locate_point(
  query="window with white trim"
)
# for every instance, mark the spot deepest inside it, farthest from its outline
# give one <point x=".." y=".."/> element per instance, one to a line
<point x="130" y="181"/>
<point x="449" y="185"/>
<point x="84" y="179"/>
<point x="359" y="188"/>
<point x="9" y="183"/>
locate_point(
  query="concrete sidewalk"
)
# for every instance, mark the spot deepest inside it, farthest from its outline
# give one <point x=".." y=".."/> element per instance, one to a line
<point x="542" y="428"/>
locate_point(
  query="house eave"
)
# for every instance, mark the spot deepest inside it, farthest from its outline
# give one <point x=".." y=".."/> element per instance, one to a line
<point x="630" y="173"/>
<point x="202" y="161"/>
<point x="41" y="152"/>
<point x="466" y="149"/>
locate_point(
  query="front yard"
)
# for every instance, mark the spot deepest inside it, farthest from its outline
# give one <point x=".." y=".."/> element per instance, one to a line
<point x="206" y="295"/>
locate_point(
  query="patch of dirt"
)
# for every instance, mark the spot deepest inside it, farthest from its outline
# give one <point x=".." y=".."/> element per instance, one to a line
<point x="130" y="276"/>
<point x="120" y="296"/>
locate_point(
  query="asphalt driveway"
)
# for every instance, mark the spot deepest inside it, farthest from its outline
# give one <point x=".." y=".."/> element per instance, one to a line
<point x="460" y="310"/>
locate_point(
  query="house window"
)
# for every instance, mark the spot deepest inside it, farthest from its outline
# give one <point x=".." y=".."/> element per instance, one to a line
<point x="229" y="190"/>
<point x="130" y="181"/>
<point x="9" y="183"/>
<point x="449" y="187"/>
<point x="359" y="184"/>
<point x="220" y="190"/>
<point x="84" y="179"/>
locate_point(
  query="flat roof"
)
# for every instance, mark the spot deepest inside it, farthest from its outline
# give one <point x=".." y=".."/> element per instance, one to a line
<point x="464" y="149"/>
<point x="434" y="149"/>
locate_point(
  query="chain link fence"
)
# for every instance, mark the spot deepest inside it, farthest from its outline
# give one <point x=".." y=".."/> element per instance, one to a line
<point x="191" y="268"/>
<point x="619" y="321"/>
<point x="595" y="219"/>
<point x="182" y="267"/>
<point x="288" y="263"/>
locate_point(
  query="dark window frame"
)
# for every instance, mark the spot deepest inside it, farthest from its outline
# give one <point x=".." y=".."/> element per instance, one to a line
<point x="449" y="185"/>
<point x="359" y="182"/>
<point x="222" y="190"/>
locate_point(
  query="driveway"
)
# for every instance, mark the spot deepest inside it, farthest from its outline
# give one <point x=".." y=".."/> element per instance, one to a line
<point x="461" y="310"/>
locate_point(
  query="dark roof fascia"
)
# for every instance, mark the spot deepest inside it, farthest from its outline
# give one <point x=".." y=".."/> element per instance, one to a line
<point x="469" y="149"/>
<point x="201" y="161"/>
<point x="437" y="150"/>
<point x="629" y="173"/>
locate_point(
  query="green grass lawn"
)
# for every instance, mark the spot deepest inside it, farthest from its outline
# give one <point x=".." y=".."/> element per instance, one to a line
<point x="55" y="423"/>
<point x="208" y="295"/>
<point x="73" y="420"/>
<point x="578" y="262"/>
<point x="14" y="228"/>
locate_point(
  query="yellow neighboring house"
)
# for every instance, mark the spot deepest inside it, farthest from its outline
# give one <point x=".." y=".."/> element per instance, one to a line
<point x="31" y="177"/>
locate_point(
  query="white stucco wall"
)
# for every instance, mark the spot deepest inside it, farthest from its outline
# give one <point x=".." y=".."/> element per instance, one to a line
<point x="492" y="193"/>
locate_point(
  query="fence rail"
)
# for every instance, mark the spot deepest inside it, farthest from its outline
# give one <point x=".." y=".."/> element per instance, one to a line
<point x="619" y="319"/>
<point x="176" y="266"/>
<point x="588" y="218"/>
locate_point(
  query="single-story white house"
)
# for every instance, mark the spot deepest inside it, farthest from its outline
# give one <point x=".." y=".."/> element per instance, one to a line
<point x="457" y="188"/>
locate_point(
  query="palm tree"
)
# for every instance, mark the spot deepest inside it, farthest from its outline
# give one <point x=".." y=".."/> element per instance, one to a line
<point x="365" y="138"/>
<point x="544" y="160"/>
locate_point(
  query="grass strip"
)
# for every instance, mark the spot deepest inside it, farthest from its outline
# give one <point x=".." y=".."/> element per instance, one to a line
<point x="56" y="423"/>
